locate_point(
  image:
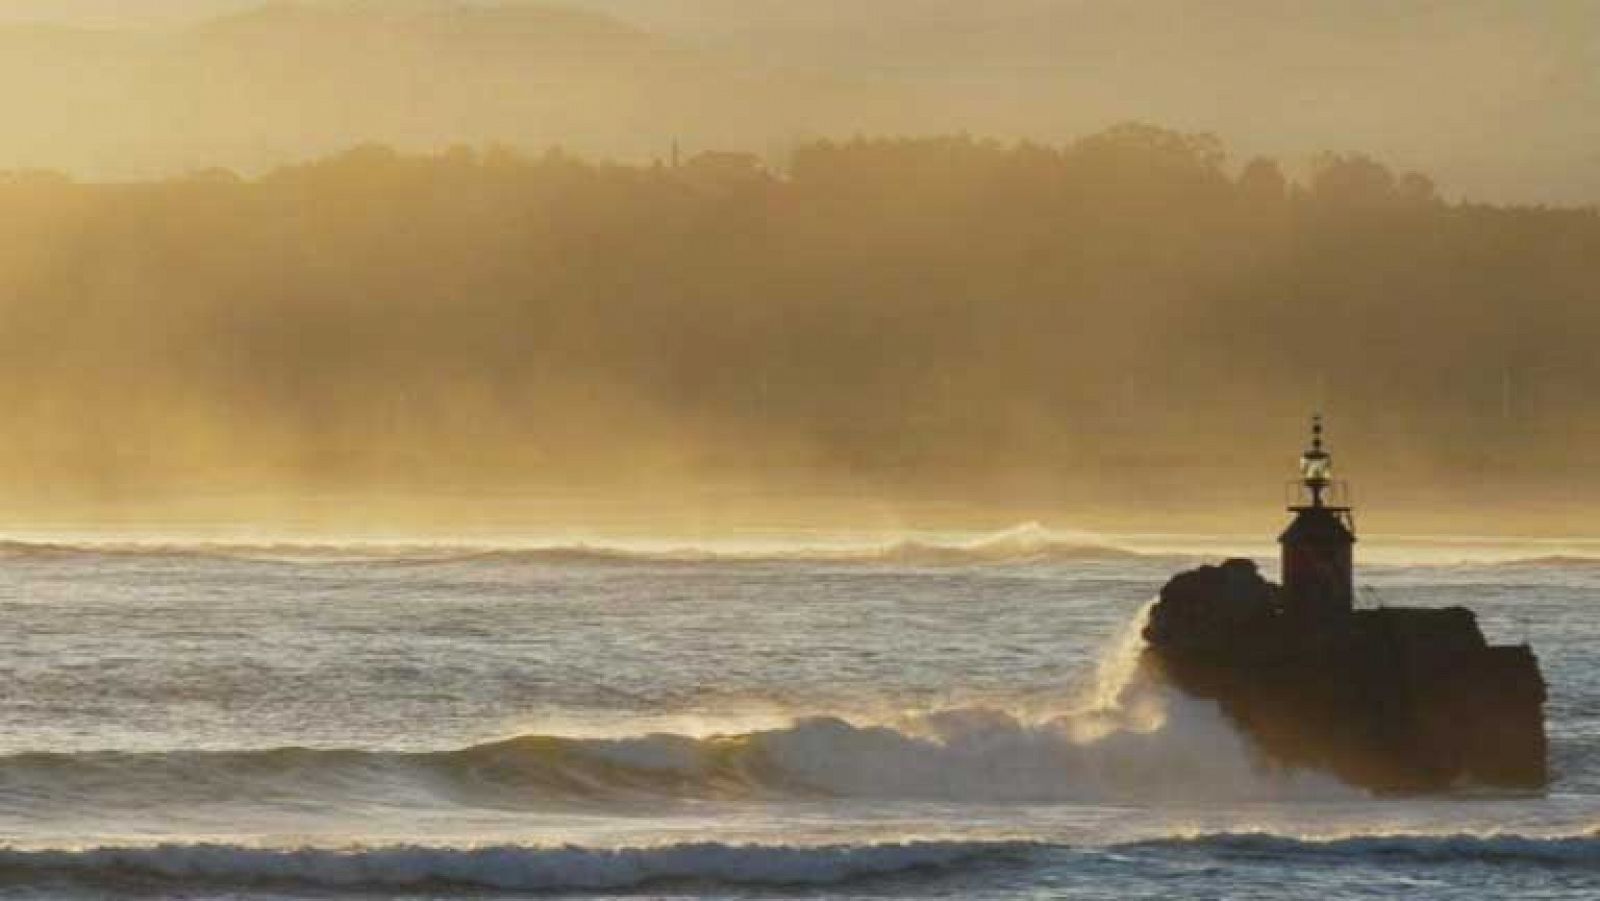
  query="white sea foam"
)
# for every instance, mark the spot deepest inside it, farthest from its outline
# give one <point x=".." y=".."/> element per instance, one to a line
<point x="1122" y="738"/>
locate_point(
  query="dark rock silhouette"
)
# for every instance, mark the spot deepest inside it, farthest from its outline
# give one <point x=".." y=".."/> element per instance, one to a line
<point x="1392" y="699"/>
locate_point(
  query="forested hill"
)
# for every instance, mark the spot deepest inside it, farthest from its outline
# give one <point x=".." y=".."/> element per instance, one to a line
<point x="923" y="316"/>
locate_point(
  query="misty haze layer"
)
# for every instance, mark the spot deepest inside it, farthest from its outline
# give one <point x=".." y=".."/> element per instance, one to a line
<point x="1124" y="318"/>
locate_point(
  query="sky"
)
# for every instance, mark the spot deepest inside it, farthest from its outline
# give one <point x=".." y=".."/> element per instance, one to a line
<point x="102" y="12"/>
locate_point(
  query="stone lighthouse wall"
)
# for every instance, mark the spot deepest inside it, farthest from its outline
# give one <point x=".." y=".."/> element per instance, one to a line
<point x="1318" y="575"/>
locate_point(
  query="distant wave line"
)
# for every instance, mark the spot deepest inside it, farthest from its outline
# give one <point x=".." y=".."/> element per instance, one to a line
<point x="578" y="868"/>
<point x="505" y="868"/>
<point x="1010" y="547"/>
<point x="1581" y="850"/>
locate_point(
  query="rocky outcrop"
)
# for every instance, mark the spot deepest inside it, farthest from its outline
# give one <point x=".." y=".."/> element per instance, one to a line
<point x="1395" y="699"/>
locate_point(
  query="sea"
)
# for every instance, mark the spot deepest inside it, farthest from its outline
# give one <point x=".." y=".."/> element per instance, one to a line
<point x="805" y="716"/>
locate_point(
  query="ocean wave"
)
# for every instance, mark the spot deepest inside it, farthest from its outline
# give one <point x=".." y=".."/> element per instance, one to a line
<point x="1118" y="737"/>
<point x="1568" y="850"/>
<point x="1185" y="750"/>
<point x="1025" y="544"/>
<point x="1550" y="561"/>
<point x="504" y="868"/>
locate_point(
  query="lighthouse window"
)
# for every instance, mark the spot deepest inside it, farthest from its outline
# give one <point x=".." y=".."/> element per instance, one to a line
<point x="1316" y="467"/>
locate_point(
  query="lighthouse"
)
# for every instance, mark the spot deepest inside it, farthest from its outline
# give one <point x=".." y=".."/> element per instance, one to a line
<point x="1393" y="699"/>
<point x="1318" y="575"/>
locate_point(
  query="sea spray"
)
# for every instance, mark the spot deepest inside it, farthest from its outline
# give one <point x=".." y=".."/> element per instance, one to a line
<point x="1114" y="698"/>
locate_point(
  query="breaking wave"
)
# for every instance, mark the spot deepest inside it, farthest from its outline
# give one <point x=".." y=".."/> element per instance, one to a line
<point x="971" y="755"/>
<point x="506" y="868"/>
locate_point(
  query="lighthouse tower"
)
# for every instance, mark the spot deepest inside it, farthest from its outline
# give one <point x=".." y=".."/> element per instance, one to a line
<point x="1317" y="560"/>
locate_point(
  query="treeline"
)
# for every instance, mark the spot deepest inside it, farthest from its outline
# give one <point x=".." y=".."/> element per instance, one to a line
<point x="932" y="314"/>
